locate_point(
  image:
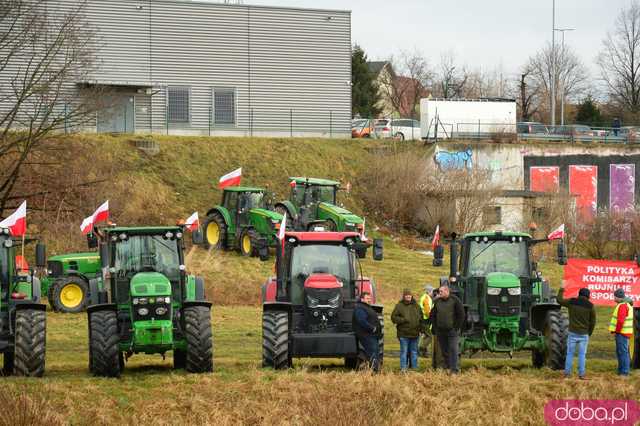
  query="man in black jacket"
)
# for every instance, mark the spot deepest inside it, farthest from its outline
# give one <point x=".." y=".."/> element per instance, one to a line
<point x="366" y="326"/>
<point x="447" y="318"/>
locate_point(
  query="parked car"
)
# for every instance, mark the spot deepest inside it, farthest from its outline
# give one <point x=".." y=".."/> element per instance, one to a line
<point x="401" y="129"/>
<point x="630" y="133"/>
<point x="573" y="130"/>
<point x="361" y="128"/>
<point x="532" y="127"/>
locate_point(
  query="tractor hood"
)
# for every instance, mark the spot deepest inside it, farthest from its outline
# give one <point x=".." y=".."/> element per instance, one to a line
<point x="322" y="281"/>
<point x="502" y="280"/>
<point x="345" y="214"/>
<point x="275" y="216"/>
<point x="150" y="284"/>
<point x="92" y="255"/>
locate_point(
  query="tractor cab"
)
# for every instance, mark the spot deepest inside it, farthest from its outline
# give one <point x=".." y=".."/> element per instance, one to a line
<point x="241" y="221"/>
<point x="508" y="305"/>
<point x="149" y="298"/>
<point x="313" y="202"/>
<point x="317" y="285"/>
<point x="22" y="315"/>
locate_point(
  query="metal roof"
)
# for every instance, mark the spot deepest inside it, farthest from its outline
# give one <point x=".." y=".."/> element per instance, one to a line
<point x="243" y="189"/>
<point x="314" y="181"/>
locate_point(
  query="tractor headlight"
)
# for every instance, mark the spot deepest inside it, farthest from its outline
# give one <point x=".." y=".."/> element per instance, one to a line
<point x="143" y="311"/>
<point x="142" y="301"/>
<point x="312" y="301"/>
<point x="178" y="235"/>
<point x="493" y="291"/>
<point x="334" y="302"/>
<point x="135" y="301"/>
<point x="161" y="310"/>
<point x="167" y="299"/>
<point x="514" y="291"/>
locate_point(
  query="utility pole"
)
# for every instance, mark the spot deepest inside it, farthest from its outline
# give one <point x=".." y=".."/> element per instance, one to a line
<point x="523" y="99"/>
<point x="553" y="64"/>
<point x="562" y="88"/>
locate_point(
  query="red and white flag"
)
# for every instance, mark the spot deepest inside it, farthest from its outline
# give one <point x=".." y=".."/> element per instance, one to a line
<point x="17" y="222"/>
<point x="283" y="227"/>
<point x="100" y="215"/>
<point x="231" y="179"/>
<point x="556" y="234"/>
<point x="436" y="238"/>
<point x="192" y="223"/>
<point x="363" y="237"/>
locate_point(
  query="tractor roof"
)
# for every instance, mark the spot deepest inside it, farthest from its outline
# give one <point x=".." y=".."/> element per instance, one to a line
<point x="314" y="181"/>
<point x="243" y="189"/>
<point x="492" y="234"/>
<point x="141" y="229"/>
<point x="322" y="236"/>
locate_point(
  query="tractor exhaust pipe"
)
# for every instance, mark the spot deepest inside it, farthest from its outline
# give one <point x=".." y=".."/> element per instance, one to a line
<point x="453" y="267"/>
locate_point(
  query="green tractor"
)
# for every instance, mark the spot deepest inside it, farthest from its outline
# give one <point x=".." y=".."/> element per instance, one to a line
<point x="509" y="306"/>
<point x="147" y="304"/>
<point x="67" y="281"/>
<point x="22" y="317"/>
<point x="242" y="220"/>
<point x="312" y="203"/>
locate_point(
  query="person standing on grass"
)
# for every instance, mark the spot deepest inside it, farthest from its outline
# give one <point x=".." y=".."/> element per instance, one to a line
<point x="621" y="325"/>
<point x="366" y="326"/>
<point x="426" y="304"/>
<point x="582" y="322"/>
<point x="447" y="319"/>
<point x="407" y="316"/>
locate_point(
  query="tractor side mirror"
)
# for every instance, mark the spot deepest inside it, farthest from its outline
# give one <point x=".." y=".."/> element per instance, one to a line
<point x="41" y="255"/>
<point x="92" y="240"/>
<point x="377" y="249"/>
<point x="104" y="255"/>
<point x="263" y="249"/>
<point x="438" y="255"/>
<point x="197" y="238"/>
<point x="562" y="253"/>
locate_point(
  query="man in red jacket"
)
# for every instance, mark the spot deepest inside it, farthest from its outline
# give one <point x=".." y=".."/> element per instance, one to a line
<point x="621" y="326"/>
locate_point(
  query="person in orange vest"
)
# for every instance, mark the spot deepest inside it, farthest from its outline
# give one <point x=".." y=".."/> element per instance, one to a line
<point x="621" y="326"/>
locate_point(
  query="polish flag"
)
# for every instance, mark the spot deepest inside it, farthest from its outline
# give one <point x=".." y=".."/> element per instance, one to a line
<point x="192" y="223"/>
<point x="283" y="228"/>
<point x="292" y="184"/>
<point x="436" y="238"/>
<point x="557" y="234"/>
<point x="17" y="222"/>
<point x="100" y="215"/>
<point x="363" y="237"/>
<point x="231" y="179"/>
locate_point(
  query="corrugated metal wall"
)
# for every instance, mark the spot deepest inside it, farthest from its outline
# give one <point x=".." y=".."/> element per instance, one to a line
<point x="290" y="68"/>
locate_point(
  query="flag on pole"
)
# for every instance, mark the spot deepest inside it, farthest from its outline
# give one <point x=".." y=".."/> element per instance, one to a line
<point x="100" y="215"/>
<point x="282" y="230"/>
<point x="192" y="223"/>
<point x="292" y="184"/>
<point x="231" y="179"/>
<point x="556" y="234"/>
<point x="363" y="237"/>
<point x="17" y="221"/>
<point x="436" y="238"/>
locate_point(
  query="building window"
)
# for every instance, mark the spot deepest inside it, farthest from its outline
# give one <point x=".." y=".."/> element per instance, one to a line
<point x="492" y="215"/>
<point x="178" y="104"/>
<point x="224" y="107"/>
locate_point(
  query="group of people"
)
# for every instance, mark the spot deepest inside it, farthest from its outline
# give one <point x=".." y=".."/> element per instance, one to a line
<point x="582" y="322"/>
<point x="442" y="313"/>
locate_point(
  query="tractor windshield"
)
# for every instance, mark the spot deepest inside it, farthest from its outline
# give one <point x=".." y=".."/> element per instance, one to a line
<point x="148" y="253"/>
<point x="321" y="194"/>
<point x="319" y="259"/>
<point x="251" y="200"/>
<point x="497" y="256"/>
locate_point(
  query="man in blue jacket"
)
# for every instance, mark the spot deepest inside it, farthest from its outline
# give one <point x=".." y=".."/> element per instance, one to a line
<point x="366" y="325"/>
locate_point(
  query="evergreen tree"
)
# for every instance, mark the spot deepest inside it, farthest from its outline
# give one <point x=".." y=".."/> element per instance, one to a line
<point x="588" y="113"/>
<point x="364" y="90"/>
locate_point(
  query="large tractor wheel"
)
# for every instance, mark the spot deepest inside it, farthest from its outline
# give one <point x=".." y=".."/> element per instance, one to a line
<point x="248" y="242"/>
<point x="280" y="208"/>
<point x="199" y="354"/>
<point x="635" y="355"/>
<point x="275" y="340"/>
<point x="30" y="343"/>
<point x="215" y="231"/>
<point x="104" y="353"/>
<point x="555" y="336"/>
<point x="70" y="295"/>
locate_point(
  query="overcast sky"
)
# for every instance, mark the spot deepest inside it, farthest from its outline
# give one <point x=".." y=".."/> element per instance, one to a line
<point x="490" y="34"/>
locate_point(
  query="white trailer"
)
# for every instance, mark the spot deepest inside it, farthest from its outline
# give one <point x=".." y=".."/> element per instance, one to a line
<point x="451" y="118"/>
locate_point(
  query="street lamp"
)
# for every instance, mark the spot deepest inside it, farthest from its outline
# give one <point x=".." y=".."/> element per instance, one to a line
<point x="552" y="83"/>
<point x="562" y="94"/>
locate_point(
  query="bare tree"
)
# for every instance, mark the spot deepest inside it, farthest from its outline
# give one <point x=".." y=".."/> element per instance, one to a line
<point x="408" y="85"/>
<point x="527" y="95"/>
<point x="619" y="60"/>
<point x="451" y="78"/>
<point x="570" y="78"/>
<point x="45" y="52"/>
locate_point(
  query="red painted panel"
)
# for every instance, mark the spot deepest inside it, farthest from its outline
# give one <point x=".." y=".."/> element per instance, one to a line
<point x="322" y="236"/>
<point x="583" y="182"/>
<point x="270" y="290"/>
<point x="323" y="281"/>
<point x="544" y="179"/>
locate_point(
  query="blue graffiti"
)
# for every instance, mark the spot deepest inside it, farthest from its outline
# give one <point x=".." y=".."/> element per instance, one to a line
<point x="454" y="160"/>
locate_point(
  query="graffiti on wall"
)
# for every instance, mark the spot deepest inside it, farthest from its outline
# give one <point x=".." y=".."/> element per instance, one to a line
<point x="457" y="160"/>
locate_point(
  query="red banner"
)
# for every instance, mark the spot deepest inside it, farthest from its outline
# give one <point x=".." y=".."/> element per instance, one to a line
<point x="602" y="278"/>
